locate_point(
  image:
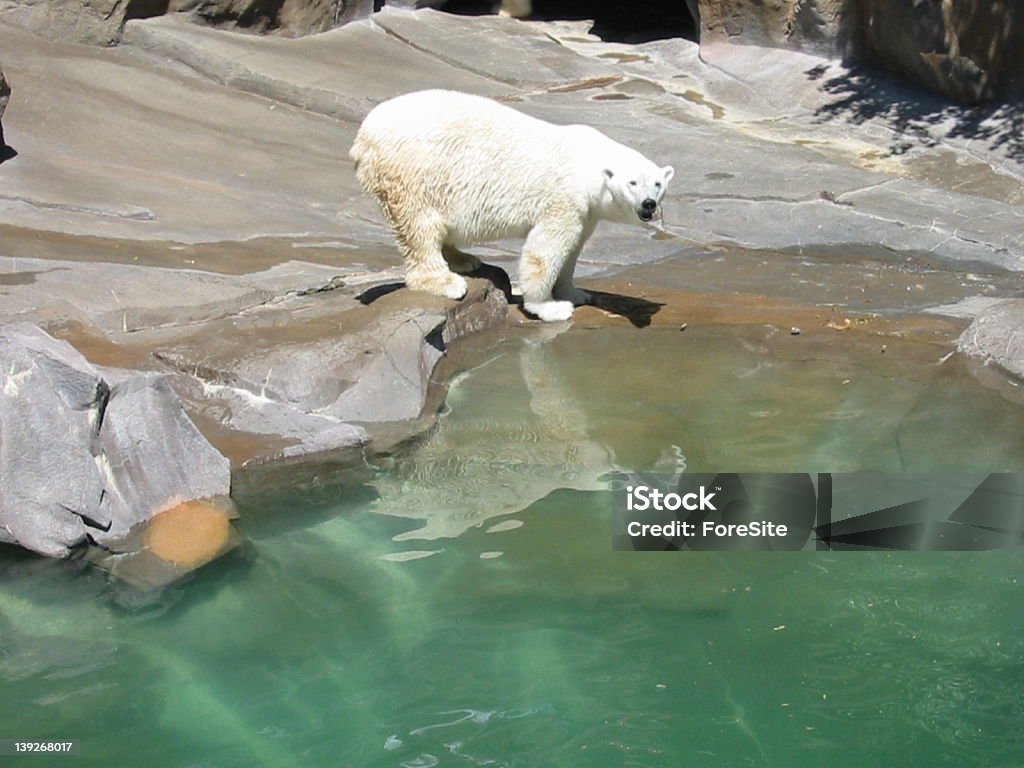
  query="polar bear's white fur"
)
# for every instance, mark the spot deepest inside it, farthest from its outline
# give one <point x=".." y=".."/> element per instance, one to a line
<point x="451" y="170"/>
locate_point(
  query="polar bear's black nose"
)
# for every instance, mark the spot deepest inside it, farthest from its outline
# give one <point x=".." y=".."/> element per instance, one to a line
<point x="647" y="209"/>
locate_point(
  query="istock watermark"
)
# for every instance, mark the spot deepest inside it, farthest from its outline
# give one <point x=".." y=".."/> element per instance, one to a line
<point x="820" y="511"/>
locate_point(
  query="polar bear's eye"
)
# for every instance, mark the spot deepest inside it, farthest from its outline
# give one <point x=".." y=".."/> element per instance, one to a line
<point x="632" y="183"/>
<point x="657" y="185"/>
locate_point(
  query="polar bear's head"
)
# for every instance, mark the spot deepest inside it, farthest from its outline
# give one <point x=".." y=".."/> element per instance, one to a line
<point x="636" y="189"/>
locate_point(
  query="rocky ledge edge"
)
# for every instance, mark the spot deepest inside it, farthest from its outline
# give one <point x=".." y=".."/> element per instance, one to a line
<point x="131" y="467"/>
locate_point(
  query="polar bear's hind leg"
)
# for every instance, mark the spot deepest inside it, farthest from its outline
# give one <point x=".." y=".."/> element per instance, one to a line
<point x="419" y="232"/>
<point x="425" y="265"/>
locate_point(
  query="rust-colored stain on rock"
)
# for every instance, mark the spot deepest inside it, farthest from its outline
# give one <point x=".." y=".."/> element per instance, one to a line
<point x="190" y="534"/>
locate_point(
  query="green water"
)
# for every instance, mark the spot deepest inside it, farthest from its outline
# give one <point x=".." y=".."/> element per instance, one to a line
<point x="516" y="637"/>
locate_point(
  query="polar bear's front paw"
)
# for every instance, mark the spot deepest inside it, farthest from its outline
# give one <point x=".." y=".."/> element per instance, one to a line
<point x="549" y="311"/>
<point x="451" y="286"/>
<point x="577" y="296"/>
<point x="455" y="287"/>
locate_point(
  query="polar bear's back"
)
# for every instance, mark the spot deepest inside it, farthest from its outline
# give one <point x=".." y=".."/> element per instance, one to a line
<point x="487" y="169"/>
<point x="425" y="114"/>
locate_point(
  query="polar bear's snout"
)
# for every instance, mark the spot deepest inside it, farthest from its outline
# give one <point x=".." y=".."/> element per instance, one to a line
<point x="647" y="209"/>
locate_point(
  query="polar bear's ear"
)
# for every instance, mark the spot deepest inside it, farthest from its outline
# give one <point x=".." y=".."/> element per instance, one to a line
<point x="669" y="172"/>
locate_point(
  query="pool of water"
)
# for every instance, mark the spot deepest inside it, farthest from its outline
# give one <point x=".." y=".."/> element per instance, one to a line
<point x="459" y="603"/>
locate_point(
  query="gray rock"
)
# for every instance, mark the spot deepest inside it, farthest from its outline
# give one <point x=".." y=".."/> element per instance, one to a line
<point x="153" y="457"/>
<point x="969" y="51"/>
<point x="816" y="26"/>
<point x="102" y="22"/>
<point x="126" y="298"/>
<point x="51" y="405"/>
<point x="79" y="460"/>
<point x="265" y="372"/>
<point x="508" y="45"/>
<point x="288" y="17"/>
<point x="997" y="336"/>
<point x="306" y="73"/>
<point x="95" y="22"/>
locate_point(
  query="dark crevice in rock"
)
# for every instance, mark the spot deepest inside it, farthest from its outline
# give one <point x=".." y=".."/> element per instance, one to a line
<point x="614" y="21"/>
<point x="436" y="338"/>
<point x="145" y="9"/>
<point x="89" y="521"/>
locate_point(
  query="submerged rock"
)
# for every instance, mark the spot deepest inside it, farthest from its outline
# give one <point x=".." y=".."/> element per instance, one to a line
<point x="170" y="545"/>
<point x="83" y="461"/>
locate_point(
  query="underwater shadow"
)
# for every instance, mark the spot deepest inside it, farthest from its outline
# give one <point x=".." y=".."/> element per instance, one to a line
<point x="864" y="95"/>
<point x="638" y="311"/>
<point x="6" y="152"/>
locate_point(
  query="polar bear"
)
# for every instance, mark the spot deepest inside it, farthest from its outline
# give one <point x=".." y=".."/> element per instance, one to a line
<point x="450" y="170"/>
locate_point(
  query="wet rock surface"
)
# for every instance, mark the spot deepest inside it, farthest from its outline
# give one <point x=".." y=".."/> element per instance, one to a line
<point x="223" y="241"/>
<point x="997" y="336"/>
<point x="83" y="460"/>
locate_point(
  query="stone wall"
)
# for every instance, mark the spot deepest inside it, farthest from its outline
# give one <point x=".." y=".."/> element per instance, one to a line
<point x="826" y="27"/>
<point x="101" y="22"/>
<point x="970" y="50"/>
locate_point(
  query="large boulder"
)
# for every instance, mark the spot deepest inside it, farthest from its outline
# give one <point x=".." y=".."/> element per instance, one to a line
<point x="825" y="27"/>
<point x="325" y="391"/>
<point x="101" y="22"/>
<point x="83" y="461"/>
<point x="969" y="50"/>
<point x="96" y="22"/>
<point x="292" y="18"/>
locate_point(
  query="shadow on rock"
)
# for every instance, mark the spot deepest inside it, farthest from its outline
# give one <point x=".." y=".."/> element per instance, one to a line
<point x="6" y="152"/>
<point x="638" y="311"/>
<point x="370" y="295"/>
<point x="863" y="95"/>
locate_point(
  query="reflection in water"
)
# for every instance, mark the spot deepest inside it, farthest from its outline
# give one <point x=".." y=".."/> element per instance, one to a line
<point x="557" y="410"/>
<point x="491" y="459"/>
